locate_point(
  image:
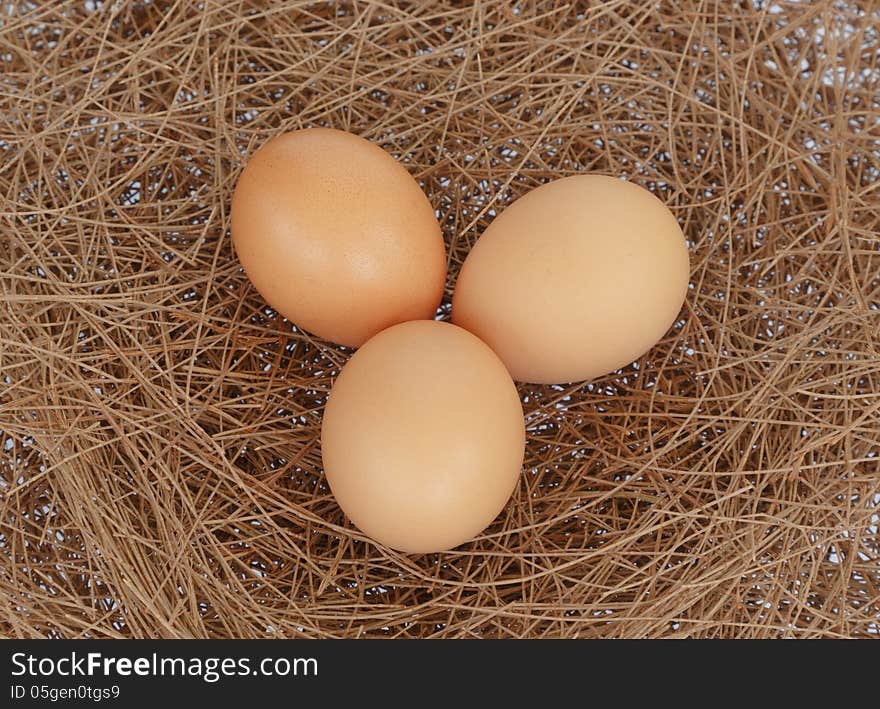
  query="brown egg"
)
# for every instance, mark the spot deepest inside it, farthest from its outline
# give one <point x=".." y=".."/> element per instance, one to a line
<point x="423" y="437"/>
<point x="577" y="278"/>
<point x="337" y="236"/>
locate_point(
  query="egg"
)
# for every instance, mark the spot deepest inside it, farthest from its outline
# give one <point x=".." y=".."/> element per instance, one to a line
<point x="423" y="437"/>
<point x="575" y="279"/>
<point x="337" y="236"/>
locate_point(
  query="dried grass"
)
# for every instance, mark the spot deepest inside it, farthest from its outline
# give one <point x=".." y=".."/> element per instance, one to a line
<point x="161" y="474"/>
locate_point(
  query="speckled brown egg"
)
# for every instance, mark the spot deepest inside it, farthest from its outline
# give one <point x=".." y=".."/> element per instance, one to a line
<point x="337" y="236"/>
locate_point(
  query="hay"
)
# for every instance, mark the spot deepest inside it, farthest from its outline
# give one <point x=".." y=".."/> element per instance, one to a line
<point x="161" y="474"/>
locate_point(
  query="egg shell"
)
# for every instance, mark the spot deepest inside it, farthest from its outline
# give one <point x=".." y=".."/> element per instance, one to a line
<point x="423" y="437"/>
<point x="575" y="279"/>
<point x="337" y="236"/>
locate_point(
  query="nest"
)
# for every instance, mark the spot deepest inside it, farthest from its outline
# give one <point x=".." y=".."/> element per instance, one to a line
<point x="159" y="456"/>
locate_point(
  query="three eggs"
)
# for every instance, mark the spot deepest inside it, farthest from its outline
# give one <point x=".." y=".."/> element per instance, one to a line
<point x="423" y="435"/>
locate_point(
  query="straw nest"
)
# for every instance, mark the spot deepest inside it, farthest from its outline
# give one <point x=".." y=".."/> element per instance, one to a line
<point x="161" y="471"/>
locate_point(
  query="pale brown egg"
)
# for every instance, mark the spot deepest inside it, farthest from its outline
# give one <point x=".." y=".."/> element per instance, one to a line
<point x="575" y="279"/>
<point x="423" y="437"/>
<point x="337" y="236"/>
